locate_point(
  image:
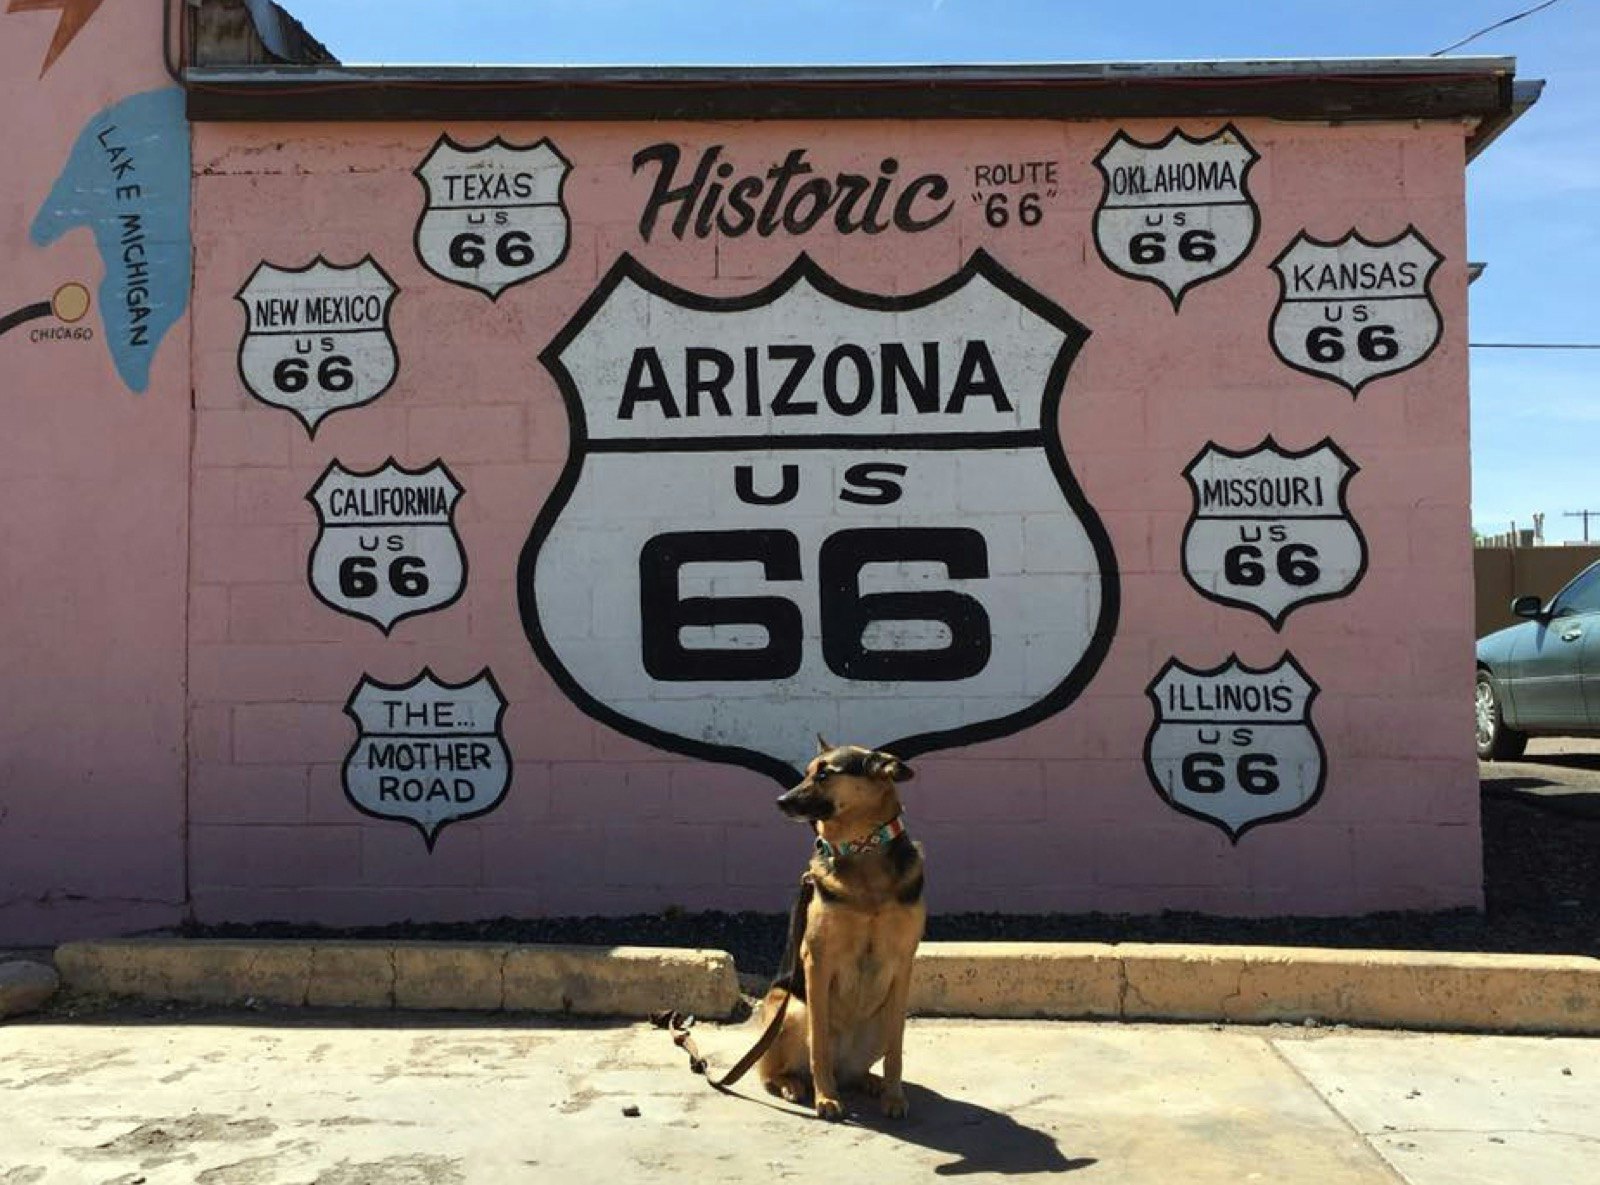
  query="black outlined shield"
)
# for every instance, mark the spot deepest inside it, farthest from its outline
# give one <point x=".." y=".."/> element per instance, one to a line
<point x="386" y="547"/>
<point x="494" y="216"/>
<point x="1233" y="745"/>
<point x="1355" y="310"/>
<point x="1177" y="212"/>
<point x="317" y="337"/>
<point x="814" y="509"/>
<point x="428" y="753"/>
<point x="1271" y="530"/>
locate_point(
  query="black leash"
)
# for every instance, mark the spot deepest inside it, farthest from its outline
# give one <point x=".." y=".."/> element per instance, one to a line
<point x="679" y="1025"/>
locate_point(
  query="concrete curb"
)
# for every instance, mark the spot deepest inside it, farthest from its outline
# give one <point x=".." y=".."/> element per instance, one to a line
<point x="575" y="980"/>
<point x="1130" y="981"/>
<point x="1260" y="984"/>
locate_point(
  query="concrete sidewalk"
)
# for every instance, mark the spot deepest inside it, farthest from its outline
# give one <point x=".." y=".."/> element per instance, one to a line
<point x="328" y="1098"/>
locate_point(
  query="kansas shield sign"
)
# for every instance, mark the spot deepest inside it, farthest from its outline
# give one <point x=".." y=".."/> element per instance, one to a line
<point x="1355" y="310"/>
<point x="1234" y="746"/>
<point x="317" y="337"/>
<point x="1270" y="529"/>
<point x="813" y="509"/>
<point x="427" y="753"/>
<point x="386" y="547"/>
<point x="1177" y="212"/>
<point x="494" y="216"/>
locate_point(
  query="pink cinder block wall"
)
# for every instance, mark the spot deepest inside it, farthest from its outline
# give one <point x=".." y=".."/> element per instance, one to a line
<point x="94" y="505"/>
<point x="1059" y="816"/>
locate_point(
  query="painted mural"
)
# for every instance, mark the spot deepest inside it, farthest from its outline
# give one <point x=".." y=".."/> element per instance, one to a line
<point x="1027" y="448"/>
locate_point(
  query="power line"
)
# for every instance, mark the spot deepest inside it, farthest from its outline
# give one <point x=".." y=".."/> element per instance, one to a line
<point x="1533" y="345"/>
<point x="1493" y="27"/>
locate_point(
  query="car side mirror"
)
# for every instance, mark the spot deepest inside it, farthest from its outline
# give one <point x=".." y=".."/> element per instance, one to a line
<point x="1529" y="606"/>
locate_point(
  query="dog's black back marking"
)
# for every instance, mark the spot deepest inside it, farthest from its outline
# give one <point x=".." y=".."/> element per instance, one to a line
<point x="907" y="864"/>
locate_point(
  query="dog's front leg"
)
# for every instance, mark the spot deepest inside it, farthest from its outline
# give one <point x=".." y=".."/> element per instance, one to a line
<point x="819" y="990"/>
<point x="893" y="1098"/>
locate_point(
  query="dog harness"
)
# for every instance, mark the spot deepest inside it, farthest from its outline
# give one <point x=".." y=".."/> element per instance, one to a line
<point x="878" y="838"/>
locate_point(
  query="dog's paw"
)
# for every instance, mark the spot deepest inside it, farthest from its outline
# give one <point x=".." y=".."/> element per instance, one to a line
<point x="830" y="1109"/>
<point x="788" y="1087"/>
<point x="893" y="1104"/>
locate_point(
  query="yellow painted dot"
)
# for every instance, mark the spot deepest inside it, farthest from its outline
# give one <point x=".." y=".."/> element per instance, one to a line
<point x="70" y="302"/>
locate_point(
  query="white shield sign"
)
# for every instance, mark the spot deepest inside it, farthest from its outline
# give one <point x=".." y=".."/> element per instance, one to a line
<point x="494" y="217"/>
<point x="1354" y="310"/>
<point x="317" y="338"/>
<point x="1235" y="746"/>
<point x="427" y="753"/>
<point x="1177" y="212"/>
<point x="813" y="509"/>
<point x="1270" y="529"/>
<point x="387" y="547"/>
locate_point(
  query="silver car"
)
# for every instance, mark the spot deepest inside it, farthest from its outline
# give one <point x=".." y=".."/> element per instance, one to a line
<point x="1541" y="677"/>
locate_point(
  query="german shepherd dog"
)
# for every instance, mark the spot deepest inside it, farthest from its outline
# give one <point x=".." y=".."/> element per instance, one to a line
<point x="857" y="930"/>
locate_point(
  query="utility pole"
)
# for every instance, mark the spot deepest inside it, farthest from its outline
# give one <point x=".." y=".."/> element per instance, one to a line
<point x="1585" y="515"/>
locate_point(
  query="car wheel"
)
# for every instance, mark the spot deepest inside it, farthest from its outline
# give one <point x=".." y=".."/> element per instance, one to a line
<point x="1496" y="742"/>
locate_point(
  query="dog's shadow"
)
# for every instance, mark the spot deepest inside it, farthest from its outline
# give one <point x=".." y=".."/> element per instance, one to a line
<point x="981" y="1140"/>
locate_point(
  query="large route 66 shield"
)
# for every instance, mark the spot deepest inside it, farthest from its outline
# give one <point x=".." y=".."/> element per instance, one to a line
<point x="428" y="753"/>
<point x="1354" y="310"/>
<point x="1177" y="212"/>
<point x="813" y="509"/>
<point x="387" y="547"/>
<point x="1235" y="746"/>
<point x="317" y="337"/>
<point x="494" y="217"/>
<point x="1270" y="529"/>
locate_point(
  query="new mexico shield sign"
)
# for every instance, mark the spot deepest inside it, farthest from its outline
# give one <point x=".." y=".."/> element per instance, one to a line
<point x="813" y="509"/>
<point x="493" y="217"/>
<point x="317" y="337"/>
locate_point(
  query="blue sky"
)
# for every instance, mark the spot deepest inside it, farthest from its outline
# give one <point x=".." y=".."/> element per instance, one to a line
<point x="1533" y="197"/>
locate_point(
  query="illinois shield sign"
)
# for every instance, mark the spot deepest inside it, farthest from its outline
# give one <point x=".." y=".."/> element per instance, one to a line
<point x="814" y="509"/>
<point x="1233" y="745"/>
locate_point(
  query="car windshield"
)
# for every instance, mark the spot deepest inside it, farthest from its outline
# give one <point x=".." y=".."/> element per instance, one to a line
<point x="1581" y="596"/>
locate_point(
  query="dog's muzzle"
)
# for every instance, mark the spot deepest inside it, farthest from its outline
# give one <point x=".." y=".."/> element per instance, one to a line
<point x="803" y="802"/>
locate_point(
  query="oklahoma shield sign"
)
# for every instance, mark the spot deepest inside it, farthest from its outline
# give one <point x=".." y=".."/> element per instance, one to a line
<point x="427" y="753"/>
<point x="1234" y="746"/>
<point x="1177" y="212"/>
<point x="1270" y="529"/>
<point x="317" y="337"/>
<point x="494" y="217"/>
<point x="813" y="509"/>
<point x="1355" y="310"/>
<point x="387" y="547"/>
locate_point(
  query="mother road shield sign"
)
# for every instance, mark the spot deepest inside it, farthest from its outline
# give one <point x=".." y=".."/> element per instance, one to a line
<point x="813" y="509"/>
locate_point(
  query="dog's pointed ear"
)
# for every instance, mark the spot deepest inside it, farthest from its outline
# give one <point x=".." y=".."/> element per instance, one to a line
<point x="822" y="745"/>
<point x="887" y="765"/>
